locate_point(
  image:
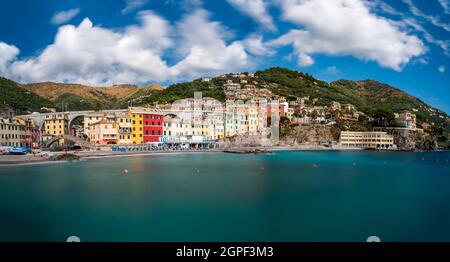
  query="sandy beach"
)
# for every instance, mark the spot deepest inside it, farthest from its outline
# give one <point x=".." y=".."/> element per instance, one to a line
<point x="40" y="159"/>
<point x="7" y="160"/>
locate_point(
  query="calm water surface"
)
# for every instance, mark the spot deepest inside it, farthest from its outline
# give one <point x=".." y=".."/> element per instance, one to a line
<point x="287" y="196"/>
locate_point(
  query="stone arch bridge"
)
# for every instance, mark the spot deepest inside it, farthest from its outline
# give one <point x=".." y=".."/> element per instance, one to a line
<point x="39" y="118"/>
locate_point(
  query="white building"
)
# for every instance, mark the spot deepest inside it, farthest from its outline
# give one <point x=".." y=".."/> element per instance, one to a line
<point x="368" y="140"/>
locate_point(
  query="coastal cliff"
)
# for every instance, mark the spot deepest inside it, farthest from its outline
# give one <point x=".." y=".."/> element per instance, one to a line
<point x="309" y="134"/>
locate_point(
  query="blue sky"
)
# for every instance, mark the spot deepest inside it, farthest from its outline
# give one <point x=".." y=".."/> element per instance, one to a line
<point x="405" y="43"/>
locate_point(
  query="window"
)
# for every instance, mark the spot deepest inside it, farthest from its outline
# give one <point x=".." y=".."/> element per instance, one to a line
<point x="146" y="123"/>
<point x="159" y="132"/>
<point x="153" y="132"/>
<point x="146" y="132"/>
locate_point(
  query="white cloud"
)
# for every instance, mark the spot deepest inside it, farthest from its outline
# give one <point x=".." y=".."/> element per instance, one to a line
<point x="443" y="44"/>
<point x="132" y="5"/>
<point x="257" y="10"/>
<point x="446" y="5"/>
<point x="442" y="69"/>
<point x="346" y="27"/>
<point x="94" y="55"/>
<point x="8" y="53"/>
<point x="383" y="7"/>
<point x="408" y="21"/>
<point x="204" y="47"/>
<point x="431" y="19"/>
<point x="255" y="45"/>
<point x="64" y="16"/>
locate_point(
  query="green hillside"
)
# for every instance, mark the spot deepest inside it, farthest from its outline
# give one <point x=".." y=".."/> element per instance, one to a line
<point x="368" y="96"/>
<point x="18" y="100"/>
<point x="186" y="90"/>
<point x="74" y="102"/>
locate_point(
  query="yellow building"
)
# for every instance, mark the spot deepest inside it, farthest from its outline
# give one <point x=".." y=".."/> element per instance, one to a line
<point x="137" y="125"/>
<point x="89" y="120"/>
<point x="252" y="115"/>
<point x="56" y="124"/>
<point x="125" y="129"/>
<point x="218" y="128"/>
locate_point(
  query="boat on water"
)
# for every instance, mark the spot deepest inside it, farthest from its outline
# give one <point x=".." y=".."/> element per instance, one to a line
<point x="18" y="150"/>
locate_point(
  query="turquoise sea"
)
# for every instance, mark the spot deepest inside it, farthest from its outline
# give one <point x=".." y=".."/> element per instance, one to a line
<point x="287" y="196"/>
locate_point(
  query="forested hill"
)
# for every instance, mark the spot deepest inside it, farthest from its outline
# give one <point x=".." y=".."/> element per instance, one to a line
<point x="16" y="100"/>
<point x="367" y="96"/>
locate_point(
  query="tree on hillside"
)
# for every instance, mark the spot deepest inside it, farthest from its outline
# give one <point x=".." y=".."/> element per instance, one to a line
<point x="383" y="117"/>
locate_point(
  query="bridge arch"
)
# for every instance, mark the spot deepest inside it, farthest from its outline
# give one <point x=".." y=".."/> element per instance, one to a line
<point x="72" y="119"/>
<point x="76" y="140"/>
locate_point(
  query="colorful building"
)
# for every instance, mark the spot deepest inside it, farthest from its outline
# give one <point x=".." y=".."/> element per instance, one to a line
<point x="153" y="126"/>
<point x="252" y="115"/>
<point x="16" y="132"/>
<point x="147" y="125"/>
<point x="89" y="120"/>
<point x="27" y="132"/>
<point x="125" y="129"/>
<point x="104" y="132"/>
<point x="56" y="124"/>
<point x="137" y="135"/>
